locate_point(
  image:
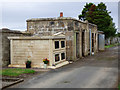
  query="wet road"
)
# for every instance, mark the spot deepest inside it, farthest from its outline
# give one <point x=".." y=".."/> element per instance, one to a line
<point x="98" y="71"/>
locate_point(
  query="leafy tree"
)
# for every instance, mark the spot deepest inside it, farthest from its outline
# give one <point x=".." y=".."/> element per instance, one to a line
<point x="99" y="15"/>
<point x="85" y="10"/>
<point x="118" y="34"/>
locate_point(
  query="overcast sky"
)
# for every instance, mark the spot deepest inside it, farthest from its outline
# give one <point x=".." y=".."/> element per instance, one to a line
<point x="15" y="14"/>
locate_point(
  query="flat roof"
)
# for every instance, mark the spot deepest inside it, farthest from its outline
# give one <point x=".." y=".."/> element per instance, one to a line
<point x="101" y="32"/>
<point x="56" y="19"/>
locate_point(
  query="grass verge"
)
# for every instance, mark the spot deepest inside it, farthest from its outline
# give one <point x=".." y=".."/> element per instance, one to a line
<point x="112" y="45"/>
<point x="15" y="71"/>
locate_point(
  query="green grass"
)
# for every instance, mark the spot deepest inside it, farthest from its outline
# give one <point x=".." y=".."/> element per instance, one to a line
<point x="108" y="46"/>
<point x="112" y="45"/>
<point x="119" y="86"/>
<point x="15" y="71"/>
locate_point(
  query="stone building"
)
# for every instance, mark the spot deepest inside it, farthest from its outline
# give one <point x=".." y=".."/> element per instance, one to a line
<point x="81" y="36"/>
<point x="112" y="40"/>
<point x="36" y="49"/>
<point x="5" y="44"/>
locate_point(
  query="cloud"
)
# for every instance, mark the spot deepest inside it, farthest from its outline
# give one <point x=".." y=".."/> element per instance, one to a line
<point x="59" y="0"/>
<point x="14" y="14"/>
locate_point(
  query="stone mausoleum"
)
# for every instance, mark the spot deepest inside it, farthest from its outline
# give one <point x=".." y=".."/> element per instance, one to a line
<point x="59" y="39"/>
<point x="81" y="36"/>
<point x="36" y="49"/>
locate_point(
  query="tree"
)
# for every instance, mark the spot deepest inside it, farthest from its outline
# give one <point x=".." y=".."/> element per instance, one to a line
<point x="99" y="15"/>
<point x="85" y="10"/>
<point x="118" y="34"/>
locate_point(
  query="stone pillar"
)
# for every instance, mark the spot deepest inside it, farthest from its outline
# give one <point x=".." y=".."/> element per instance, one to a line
<point x="11" y="51"/>
<point x="85" y="43"/>
<point x="74" y="49"/>
<point x="80" y="43"/>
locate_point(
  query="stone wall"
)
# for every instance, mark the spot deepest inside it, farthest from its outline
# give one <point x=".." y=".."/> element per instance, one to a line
<point x="112" y="40"/>
<point x="6" y="44"/>
<point x="49" y="27"/>
<point x="0" y="48"/>
<point x="69" y="45"/>
<point x="70" y="26"/>
<point x="35" y="49"/>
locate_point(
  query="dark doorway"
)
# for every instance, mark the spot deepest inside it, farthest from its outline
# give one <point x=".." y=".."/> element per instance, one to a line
<point x="77" y="45"/>
<point x="98" y="40"/>
<point x="83" y="42"/>
<point x="92" y="42"/>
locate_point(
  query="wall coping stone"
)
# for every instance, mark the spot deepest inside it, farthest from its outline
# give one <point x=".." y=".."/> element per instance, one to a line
<point x="9" y="31"/>
<point x="100" y="32"/>
<point x="37" y="38"/>
<point x="56" y="19"/>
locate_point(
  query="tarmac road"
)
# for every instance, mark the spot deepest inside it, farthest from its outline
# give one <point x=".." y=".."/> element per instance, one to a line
<point x="98" y="71"/>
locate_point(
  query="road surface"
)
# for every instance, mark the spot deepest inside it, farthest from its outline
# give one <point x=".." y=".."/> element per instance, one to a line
<point x="98" y="71"/>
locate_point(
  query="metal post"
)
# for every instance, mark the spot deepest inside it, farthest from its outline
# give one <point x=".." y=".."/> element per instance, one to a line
<point x="90" y="41"/>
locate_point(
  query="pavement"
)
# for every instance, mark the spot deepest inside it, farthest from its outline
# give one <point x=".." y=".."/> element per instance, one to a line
<point x="97" y="71"/>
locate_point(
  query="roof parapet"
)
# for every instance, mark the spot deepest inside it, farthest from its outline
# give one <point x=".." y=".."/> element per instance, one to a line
<point x="56" y="19"/>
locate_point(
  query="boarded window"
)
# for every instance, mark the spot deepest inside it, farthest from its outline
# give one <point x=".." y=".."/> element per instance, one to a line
<point x="62" y="56"/>
<point x="56" y="44"/>
<point x="57" y="57"/>
<point x="62" y="44"/>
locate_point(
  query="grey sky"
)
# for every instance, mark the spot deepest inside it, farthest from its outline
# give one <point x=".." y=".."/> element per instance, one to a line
<point x="15" y="14"/>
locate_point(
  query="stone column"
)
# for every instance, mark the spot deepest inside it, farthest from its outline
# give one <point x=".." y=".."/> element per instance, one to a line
<point x="11" y="51"/>
<point x="80" y="43"/>
<point x="74" y="46"/>
<point x="51" y="58"/>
